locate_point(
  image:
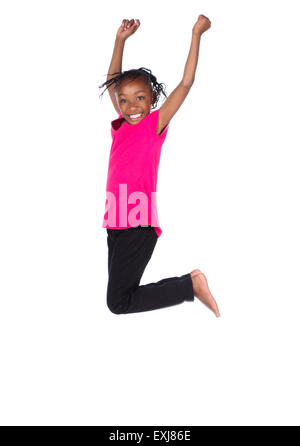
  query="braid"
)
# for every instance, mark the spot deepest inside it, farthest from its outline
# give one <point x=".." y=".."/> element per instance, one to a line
<point x="133" y="74"/>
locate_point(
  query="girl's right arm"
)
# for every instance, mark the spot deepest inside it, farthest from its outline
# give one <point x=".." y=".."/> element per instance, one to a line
<point x="127" y="28"/>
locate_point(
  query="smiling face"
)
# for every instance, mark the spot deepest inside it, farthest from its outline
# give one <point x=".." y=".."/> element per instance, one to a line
<point x="135" y="98"/>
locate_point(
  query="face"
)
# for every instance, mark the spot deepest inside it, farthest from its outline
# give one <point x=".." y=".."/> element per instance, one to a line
<point x="134" y="98"/>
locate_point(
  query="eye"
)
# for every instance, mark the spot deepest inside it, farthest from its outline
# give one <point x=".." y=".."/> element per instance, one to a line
<point x="143" y="97"/>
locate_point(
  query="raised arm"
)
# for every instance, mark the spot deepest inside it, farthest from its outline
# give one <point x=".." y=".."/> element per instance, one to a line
<point x="176" y="98"/>
<point x="127" y="28"/>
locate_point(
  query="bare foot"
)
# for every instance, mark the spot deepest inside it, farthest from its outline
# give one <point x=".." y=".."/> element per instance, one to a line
<point x="202" y="291"/>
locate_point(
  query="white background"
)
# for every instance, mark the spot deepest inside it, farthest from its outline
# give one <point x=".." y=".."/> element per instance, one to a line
<point x="230" y="159"/>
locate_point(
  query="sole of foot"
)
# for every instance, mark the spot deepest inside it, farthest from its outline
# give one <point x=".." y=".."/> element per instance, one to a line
<point x="202" y="291"/>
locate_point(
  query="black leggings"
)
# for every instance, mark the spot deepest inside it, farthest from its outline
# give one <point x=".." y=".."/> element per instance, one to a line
<point x="129" y="251"/>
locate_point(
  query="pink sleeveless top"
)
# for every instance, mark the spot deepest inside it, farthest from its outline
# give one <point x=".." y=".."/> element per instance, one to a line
<point x="132" y="173"/>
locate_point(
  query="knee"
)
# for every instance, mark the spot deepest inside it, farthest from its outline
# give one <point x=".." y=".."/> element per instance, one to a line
<point x="115" y="309"/>
<point x="114" y="305"/>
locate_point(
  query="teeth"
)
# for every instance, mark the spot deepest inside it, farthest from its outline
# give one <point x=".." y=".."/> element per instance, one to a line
<point x="135" y="116"/>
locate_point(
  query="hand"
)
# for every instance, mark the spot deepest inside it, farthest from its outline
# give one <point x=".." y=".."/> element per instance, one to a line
<point x="202" y="25"/>
<point x="127" y="28"/>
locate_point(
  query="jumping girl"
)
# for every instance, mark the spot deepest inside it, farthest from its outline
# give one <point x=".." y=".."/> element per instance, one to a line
<point x="138" y="135"/>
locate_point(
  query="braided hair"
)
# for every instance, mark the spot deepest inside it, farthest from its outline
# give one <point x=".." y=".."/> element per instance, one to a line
<point x="141" y="73"/>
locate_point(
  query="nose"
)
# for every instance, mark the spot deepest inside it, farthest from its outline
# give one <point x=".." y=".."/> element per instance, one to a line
<point x="134" y="112"/>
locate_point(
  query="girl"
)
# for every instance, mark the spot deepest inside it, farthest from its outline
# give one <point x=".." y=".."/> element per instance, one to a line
<point x="138" y="135"/>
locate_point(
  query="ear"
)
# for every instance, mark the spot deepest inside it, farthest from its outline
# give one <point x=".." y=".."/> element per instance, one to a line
<point x="154" y="96"/>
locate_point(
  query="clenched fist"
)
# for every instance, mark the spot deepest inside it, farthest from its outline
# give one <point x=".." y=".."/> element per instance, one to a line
<point x="127" y="28"/>
<point x="202" y="25"/>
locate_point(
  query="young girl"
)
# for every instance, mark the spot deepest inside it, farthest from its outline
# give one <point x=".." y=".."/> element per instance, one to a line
<point x="138" y="135"/>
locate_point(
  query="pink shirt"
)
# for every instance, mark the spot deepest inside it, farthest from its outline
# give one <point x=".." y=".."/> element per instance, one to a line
<point x="132" y="173"/>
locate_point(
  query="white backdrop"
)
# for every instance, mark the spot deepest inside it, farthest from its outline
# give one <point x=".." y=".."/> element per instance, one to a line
<point x="231" y="156"/>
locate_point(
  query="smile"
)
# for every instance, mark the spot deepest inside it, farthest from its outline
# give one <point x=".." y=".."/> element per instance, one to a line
<point x="135" y="117"/>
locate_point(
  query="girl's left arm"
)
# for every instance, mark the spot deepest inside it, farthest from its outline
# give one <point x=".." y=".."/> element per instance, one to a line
<point x="176" y="98"/>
